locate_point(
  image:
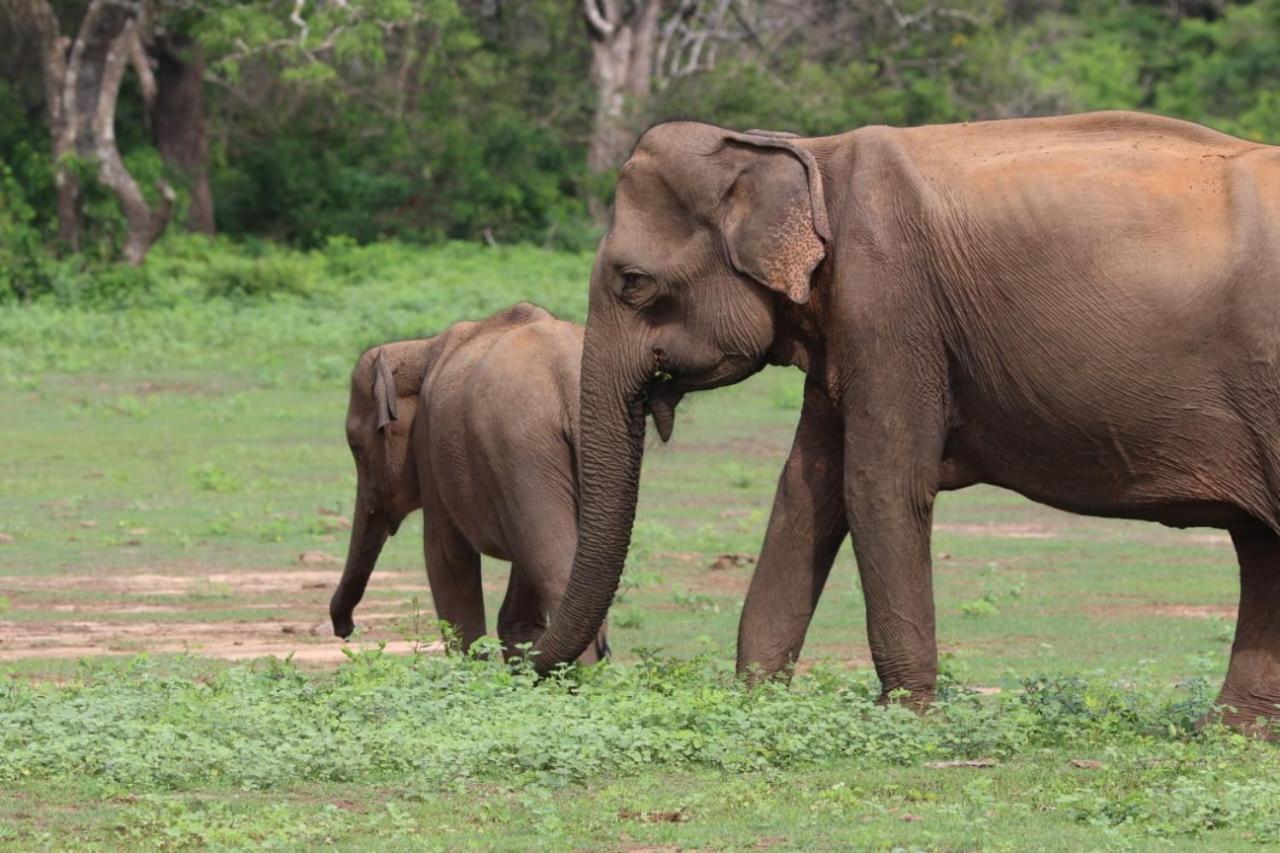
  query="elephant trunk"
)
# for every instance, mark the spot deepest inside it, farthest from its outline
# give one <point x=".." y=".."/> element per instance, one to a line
<point x="369" y="531"/>
<point x="610" y="449"/>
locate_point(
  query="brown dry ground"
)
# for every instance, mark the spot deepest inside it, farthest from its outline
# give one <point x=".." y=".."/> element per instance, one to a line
<point x="231" y="615"/>
<point x="239" y="613"/>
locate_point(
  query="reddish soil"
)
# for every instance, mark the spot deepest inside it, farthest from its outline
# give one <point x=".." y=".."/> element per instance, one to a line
<point x="289" y="607"/>
<point x="999" y="531"/>
<point x="1179" y="611"/>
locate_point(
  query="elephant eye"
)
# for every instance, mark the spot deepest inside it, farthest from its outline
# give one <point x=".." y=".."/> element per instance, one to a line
<point x="635" y="285"/>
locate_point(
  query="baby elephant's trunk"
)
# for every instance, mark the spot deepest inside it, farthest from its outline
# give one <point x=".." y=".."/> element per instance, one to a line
<point x="369" y="531"/>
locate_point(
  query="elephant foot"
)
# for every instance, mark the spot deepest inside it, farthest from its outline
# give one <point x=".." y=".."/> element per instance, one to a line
<point x="514" y="634"/>
<point x="1248" y="714"/>
<point x="917" y="700"/>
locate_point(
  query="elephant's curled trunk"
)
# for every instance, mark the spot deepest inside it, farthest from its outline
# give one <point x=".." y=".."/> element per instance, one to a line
<point x="610" y="449"/>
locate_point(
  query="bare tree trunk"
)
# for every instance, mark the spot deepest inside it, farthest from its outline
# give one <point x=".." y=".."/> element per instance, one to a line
<point x="177" y="123"/>
<point x="37" y="18"/>
<point x="97" y="90"/>
<point x="622" y="50"/>
<point x="82" y="84"/>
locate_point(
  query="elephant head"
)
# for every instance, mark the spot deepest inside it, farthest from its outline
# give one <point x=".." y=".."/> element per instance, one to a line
<point x="713" y="234"/>
<point x="384" y="398"/>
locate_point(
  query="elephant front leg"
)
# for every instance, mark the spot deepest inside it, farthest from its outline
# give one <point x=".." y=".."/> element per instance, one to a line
<point x="1251" y="692"/>
<point x="892" y="457"/>
<point x="806" y="529"/>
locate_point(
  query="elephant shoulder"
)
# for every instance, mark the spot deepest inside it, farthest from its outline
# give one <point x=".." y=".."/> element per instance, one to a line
<point x="893" y="188"/>
<point x="466" y="341"/>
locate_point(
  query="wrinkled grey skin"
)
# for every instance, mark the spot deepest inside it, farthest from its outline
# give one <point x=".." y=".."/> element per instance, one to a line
<point x="1083" y="309"/>
<point x="475" y="426"/>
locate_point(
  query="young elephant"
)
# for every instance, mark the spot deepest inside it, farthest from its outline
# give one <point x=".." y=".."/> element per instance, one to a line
<point x="477" y="426"/>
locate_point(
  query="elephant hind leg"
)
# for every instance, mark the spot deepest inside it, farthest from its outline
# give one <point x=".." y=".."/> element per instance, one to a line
<point x="543" y="534"/>
<point x="453" y="570"/>
<point x="1252" y="688"/>
<point x="546" y="567"/>
<point x="522" y="617"/>
<point x="551" y="578"/>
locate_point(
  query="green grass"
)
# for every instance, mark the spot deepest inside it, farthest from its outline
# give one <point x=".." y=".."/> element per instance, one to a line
<point x="171" y="451"/>
<point x="666" y="751"/>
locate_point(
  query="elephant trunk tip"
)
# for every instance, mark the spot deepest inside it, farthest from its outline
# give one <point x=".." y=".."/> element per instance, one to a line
<point x="343" y="629"/>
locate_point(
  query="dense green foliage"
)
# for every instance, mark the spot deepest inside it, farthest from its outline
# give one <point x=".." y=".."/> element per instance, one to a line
<point x="446" y="720"/>
<point x="462" y="120"/>
<point x="437" y="724"/>
<point x="304" y="314"/>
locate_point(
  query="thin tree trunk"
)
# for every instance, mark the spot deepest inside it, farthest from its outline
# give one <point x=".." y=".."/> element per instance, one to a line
<point x="177" y="123"/>
<point x="82" y="85"/>
<point x="37" y="18"/>
<point x="622" y="51"/>
<point x="143" y="225"/>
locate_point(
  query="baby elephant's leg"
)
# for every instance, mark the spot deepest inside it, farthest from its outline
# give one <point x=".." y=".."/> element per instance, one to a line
<point x="546" y="564"/>
<point x="522" y="617"/>
<point x="453" y="570"/>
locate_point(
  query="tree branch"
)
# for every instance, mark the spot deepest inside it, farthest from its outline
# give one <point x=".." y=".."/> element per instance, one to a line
<point x="597" y="21"/>
<point x="142" y="67"/>
<point x="296" y="17"/>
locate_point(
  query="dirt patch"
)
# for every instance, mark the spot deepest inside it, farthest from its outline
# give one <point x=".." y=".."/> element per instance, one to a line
<point x="291" y="621"/>
<point x="1217" y="540"/>
<point x="181" y="388"/>
<point x="173" y="584"/>
<point x="832" y="655"/>
<point x="1196" y="611"/>
<point x="724" y="562"/>
<point x="998" y="530"/>
<point x="1177" y="611"/>
<point x="738" y="447"/>
<point x="112" y="609"/>
<point x="728" y="583"/>
<point x="312" y="643"/>
<point x="685" y="557"/>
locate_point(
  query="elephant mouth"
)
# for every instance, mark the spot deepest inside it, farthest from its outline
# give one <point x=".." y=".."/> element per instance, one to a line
<point x="731" y="369"/>
<point x="660" y="399"/>
<point x="664" y="391"/>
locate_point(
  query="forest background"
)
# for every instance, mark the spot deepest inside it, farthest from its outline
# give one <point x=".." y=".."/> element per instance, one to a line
<point x="305" y="122"/>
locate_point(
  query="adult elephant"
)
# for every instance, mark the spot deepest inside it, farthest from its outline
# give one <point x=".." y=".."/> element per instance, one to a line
<point x="1084" y="309"/>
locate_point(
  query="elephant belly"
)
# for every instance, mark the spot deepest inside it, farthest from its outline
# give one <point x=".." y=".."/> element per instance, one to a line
<point x="1189" y="467"/>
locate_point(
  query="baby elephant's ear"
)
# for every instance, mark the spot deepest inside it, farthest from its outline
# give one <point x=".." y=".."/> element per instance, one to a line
<point x="774" y="217"/>
<point x="384" y="390"/>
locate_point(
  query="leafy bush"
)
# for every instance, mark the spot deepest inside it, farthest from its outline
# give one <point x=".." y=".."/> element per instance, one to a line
<point x="25" y="268"/>
<point x="447" y="719"/>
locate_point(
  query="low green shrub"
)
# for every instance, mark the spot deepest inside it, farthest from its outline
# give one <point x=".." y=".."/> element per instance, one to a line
<point x="444" y="720"/>
<point x="25" y="268"/>
<point x="257" y="305"/>
<point x="188" y="269"/>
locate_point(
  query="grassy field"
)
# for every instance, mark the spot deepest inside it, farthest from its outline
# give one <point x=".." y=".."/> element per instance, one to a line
<point x="174" y="501"/>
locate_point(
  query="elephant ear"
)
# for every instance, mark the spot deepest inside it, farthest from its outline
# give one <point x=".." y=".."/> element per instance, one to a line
<point x="384" y="391"/>
<point x="774" y="216"/>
